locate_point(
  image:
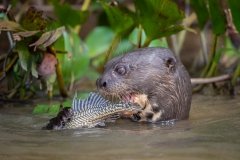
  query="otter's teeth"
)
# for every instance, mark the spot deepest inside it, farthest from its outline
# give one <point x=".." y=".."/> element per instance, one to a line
<point x="128" y="98"/>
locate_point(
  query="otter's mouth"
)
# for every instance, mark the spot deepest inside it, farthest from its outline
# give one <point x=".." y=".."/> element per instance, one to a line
<point x="128" y="98"/>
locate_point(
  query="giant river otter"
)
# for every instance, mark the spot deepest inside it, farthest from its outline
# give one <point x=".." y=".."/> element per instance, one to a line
<point x="152" y="77"/>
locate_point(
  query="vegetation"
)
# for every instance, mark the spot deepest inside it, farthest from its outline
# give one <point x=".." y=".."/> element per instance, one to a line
<point x="51" y="50"/>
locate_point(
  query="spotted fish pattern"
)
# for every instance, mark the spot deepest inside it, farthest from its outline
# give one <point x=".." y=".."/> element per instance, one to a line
<point x="88" y="113"/>
<point x="94" y="111"/>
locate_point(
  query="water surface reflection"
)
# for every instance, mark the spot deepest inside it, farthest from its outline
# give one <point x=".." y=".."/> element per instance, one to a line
<point x="212" y="132"/>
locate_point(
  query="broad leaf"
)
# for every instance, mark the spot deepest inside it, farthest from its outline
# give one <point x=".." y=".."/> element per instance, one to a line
<point x="97" y="45"/>
<point x="201" y="11"/>
<point x="133" y="38"/>
<point x="217" y="17"/>
<point x="157" y="17"/>
<point x="68" y="16"/>
<point x="79" y="63"/>
<point x="120" y="19"/>
<point x="33" y="20"/>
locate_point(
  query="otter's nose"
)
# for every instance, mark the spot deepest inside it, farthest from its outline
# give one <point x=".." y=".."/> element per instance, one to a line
<point x="101" y="83"/>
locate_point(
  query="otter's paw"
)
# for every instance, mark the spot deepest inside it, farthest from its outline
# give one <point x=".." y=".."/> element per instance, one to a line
<point x="136" y="117"/>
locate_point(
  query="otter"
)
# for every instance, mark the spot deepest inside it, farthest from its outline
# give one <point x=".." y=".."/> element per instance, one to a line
<point x="151" y="77"/>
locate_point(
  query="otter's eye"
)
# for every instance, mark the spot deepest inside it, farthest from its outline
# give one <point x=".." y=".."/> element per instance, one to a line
<point x="120" y="70"/>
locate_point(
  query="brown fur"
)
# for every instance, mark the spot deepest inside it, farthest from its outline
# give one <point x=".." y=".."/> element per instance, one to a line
<point x="154" y="78"/>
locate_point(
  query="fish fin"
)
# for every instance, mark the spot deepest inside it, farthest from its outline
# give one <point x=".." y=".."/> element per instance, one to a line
<point x="114" y="117"/>
<point x="93" y="100"/>
<point x="101" y="124"/>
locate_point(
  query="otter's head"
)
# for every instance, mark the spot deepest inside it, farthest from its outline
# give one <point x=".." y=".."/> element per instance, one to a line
<point x="151" y="77"/>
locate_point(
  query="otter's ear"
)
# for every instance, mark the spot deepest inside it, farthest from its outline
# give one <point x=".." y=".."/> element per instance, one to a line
<point x="169" y="62"/>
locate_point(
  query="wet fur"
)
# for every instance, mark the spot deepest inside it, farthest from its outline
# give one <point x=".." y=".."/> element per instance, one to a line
<point x="156" y="75"/>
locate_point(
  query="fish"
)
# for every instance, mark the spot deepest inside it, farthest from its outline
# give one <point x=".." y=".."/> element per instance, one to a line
<point x="89" y="113"/>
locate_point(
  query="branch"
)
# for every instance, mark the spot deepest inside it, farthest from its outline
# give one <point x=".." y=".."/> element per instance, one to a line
<point x="211" y="80"/>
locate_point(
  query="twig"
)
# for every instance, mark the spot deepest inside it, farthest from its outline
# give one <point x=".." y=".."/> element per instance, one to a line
<point x="139" y="43"/>
<point x="210" y="80"/>
<point x="61" y="84"/>
<point x="8" y="67"/>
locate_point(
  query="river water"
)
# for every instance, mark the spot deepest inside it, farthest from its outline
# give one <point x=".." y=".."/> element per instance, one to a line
<point x="211" y="133"/>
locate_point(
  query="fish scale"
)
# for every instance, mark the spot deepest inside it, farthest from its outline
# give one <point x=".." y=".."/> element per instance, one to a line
<point x="94" y="111"/>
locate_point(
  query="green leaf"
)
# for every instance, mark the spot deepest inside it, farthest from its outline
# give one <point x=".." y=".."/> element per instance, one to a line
<point x="133" y="39"/>
<point x="235" y="10"/>
<point x="23" y="54"/>
<point x="98" y="45"/>
<point x="79" y="63"/>
<point x="33" y="20"/>
<point x="68" y="16"/>
<point x="33" y="69"/>
<point x="158" y="17"/>
<point x="159" y="43"/>
<point x="120" y="19"/>
<point x="53" y="110"/>
<point x="217" y="17"/>
<point x="40" y="109"/>
<point x="201" y="11"/>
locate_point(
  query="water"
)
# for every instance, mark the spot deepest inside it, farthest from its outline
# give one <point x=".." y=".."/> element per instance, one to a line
<point x="212" y="132"/>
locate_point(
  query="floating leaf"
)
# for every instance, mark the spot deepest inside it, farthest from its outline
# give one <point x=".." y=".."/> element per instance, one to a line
<point x="33" y="20"/>
<point x="25" y="34"/>
<point x="235" y="10"/>
<point x="217" y="17"/>
<point x="53" y="110"/>
<point x="201" y="11"/>
<point x="6" y="25"/>
<point x="158" y="17"/>
<point x="48" y="38"/>
<point x="40" y="109"/>
<point x="120" y="19"/>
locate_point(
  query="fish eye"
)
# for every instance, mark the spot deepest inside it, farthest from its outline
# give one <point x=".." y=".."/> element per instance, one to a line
<point x="120" y="70"/>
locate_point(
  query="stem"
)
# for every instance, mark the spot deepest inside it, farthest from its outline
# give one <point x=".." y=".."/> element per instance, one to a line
<point x="211" y="66"/>
<point x="213" y="53"/>
<point x="139" y="43"/>
<point x="10" y="65"/>
<point x="61" y="84"/>
<point x="85" y="6"/>
<point x="60" y="51"/>
<point x="146" y="43"/>
<point x="204" y="46"/>
<point x="111" y="48"/>
<point x="236" y="74"/>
